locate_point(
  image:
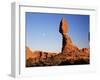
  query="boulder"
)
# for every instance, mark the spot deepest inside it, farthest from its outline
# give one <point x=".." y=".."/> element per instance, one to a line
<point x="63" y="26"/>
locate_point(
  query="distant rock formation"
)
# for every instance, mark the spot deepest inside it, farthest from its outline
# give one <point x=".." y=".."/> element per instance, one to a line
<point x="34" y="58"/>
<point x="38" y="54"/>
<point x="30" y="54"/>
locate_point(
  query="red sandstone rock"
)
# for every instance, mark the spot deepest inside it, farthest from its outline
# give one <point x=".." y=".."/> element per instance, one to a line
<point x="67" y="45"/>
<point x="85" y="50"/>
<point x="38" y="54"/>
<point x="63" y="26"/>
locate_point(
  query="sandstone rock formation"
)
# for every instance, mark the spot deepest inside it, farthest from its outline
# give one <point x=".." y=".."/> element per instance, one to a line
<point x="38" y="58"/>
<point x="63" y="26"/>
<point x="70" y="54"/>
<point x="33" y="55"/>
<point x="67" y="45"/>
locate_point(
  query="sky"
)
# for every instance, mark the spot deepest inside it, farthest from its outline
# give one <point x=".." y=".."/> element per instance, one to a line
<point x="42" y="31"/>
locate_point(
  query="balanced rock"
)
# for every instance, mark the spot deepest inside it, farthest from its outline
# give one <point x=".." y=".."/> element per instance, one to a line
<point x="67" y="45"/>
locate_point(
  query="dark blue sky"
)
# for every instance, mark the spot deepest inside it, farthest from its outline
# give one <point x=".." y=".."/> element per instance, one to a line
<point x="42" y="30"/>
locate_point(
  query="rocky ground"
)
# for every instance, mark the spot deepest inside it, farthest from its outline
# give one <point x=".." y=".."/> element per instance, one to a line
<point x="39" y="58"/>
